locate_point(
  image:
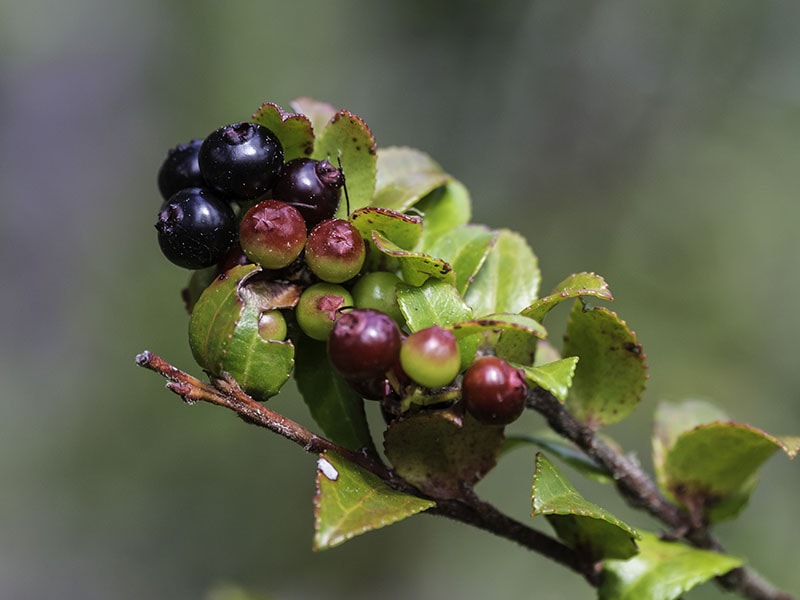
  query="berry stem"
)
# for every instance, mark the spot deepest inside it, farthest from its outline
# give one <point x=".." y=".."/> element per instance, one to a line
<point x="639" y="490"/>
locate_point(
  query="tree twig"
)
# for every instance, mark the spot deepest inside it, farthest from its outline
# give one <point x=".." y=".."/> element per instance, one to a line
<point x="469" y="509"/>
<point x="639" y="490"/>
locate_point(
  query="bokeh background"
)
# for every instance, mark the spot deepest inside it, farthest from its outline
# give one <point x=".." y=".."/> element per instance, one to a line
<point x="655" y="143"/>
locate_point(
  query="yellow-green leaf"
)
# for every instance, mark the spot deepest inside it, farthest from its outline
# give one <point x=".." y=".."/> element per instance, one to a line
<point x="662" y="571"/>
<point x="350" y="501"/>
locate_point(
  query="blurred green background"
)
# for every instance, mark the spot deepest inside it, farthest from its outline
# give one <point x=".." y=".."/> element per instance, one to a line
<point x="654" y="143"/>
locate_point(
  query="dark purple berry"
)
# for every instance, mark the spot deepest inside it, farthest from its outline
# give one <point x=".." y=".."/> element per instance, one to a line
<point x="335" y="251"/>
<point x="195" y="228"/>
<point x="312" y="186"/>
<point x="364" y="344"/>
<point x="241" y="161"/>
<point x="493" y="391"/>
<point x="180" y="169"/>
<point x="272" y="234"/>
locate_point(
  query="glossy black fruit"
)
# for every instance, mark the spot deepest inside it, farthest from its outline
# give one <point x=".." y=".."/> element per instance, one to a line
<point x="364" y="344"/>
<point x="180" y="169"/>
<point x="312" y="186"/>
<point x="493" y="391"/>
<point x="335" y="251"/>
<point x="272" y="234"/>
<point x="241" y="161"/>
<point x="196" y="228"/>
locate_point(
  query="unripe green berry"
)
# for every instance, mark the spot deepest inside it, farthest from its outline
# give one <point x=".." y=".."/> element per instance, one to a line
<point x="318" y="308"/>
<point x="430" y="356"/>
<point x="272" y="325"/>
<point x="378" y="290"/>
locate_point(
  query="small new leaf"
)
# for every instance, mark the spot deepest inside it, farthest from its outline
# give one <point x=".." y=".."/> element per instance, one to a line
<point x="350" y="501"/>
<point x="555" y="377"/>
<point x="585" y="527"/>
<point x="416" y="267"/>
<point x="662" y="571"/>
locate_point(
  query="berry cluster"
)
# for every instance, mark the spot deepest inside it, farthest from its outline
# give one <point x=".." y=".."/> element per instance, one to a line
<point x="230" y="200"/>
<point x="235" y="185"/>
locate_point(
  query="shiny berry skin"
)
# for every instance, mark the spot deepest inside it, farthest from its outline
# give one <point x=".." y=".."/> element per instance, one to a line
<point x="312" y="186"/>
<point x="318" y="308"/>
<point x="180" y="169"/>
<point x="195" y="228"/>
<point x="430" y="356"/>
<point x="272" y="234"/>
<point x="378" y="290"/>
<point x="335" y="251"/>
<point x="241" y="161"/>
<point x="493" y="391"/>
<point x="364" y="344"/>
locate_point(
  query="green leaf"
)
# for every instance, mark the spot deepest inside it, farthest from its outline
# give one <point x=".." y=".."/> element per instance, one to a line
<point x="466" y="249"/>
<point x="563" y="449"/>
<point x="442" y="453"/>
<point x="555" y="377"/>
<point x="293" y="130"/>
<point x="509" y="279"/>
<point x="662" y="571"/>
<point x="585" y="527"/>
<point x="443" y="209"/>
<point x="333" y="404"/>
<point x="611" y="375"/>
<point x="711" y="468"/>
<point x="416" y="267"/>
<point x="513" y="336"/>
<point x="574" y="286"/>
<point x="234" y="592"/>
<point x="433" y="303"/>
<point x="350" y="501"/>
<point x="347" y="138"/>
<point x="405" y="175"/>
<point x="319" y="113"/>
<point x="224" y="330"/>
<point x="402" y="229"/>
<point x="500" y="323"/>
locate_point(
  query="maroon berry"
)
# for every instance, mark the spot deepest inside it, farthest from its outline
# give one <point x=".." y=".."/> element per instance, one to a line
<point x="493" y="391"/>
<point x="364" y="344"/>
<point x="311" y="186"/>
<point x="335" y="251"/>
<point x="272" y="234"/>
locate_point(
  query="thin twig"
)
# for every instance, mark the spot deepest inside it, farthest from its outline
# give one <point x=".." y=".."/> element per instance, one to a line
<point x="639" y="490"/>
<point x="469" y="509"/>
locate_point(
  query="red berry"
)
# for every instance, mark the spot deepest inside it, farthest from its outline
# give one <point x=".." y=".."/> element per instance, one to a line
<point x="430" y="356"/>
<point x="335" y="251"/>
<point x="364" y="344"/>
<point x="493" y="391"/>
<point x="272" y="234"/>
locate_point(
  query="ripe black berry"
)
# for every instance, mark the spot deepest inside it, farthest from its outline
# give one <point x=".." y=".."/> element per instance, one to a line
<point x="195" y="228"/>
<point x="180" y="169"/>
<point x="335" y="250"/>
<point x="272" y="234"/>
<point x="311" y="186"/>
<point x="241" y="160"/>
<point x="364" y="344"/>
<point x="493" y="391"/>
